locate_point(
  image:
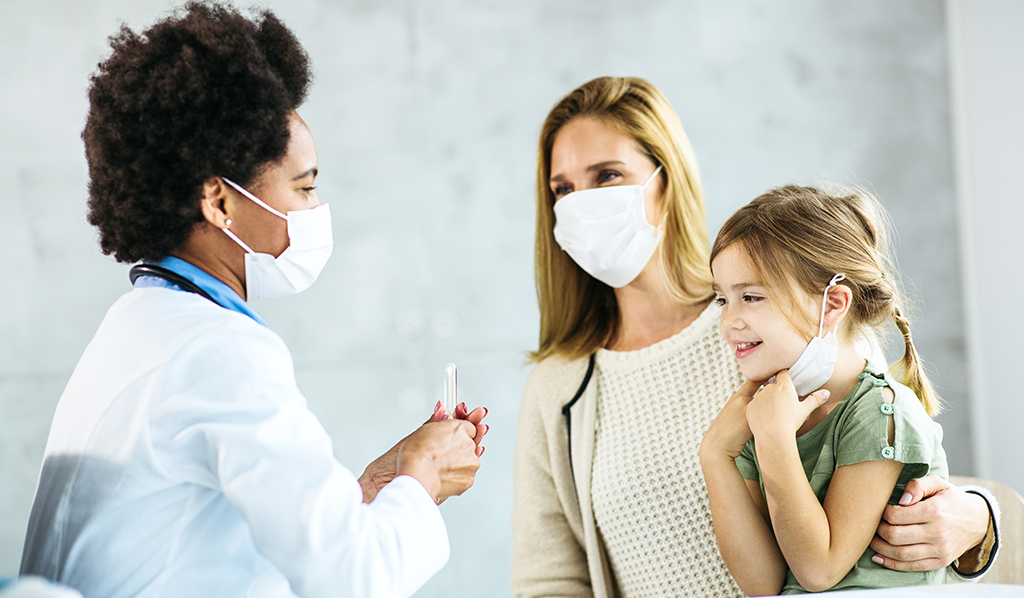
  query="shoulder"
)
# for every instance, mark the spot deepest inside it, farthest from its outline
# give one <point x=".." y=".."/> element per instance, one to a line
<point x="188" y="329"/>
<point x="553" y="383"/>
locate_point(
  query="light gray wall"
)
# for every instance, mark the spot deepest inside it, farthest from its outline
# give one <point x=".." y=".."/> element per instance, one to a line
<point x="986" y="54"/>
<point x="426" y="116"/>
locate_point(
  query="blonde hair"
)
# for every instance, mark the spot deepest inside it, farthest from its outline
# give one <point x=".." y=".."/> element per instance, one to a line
<point x="799" y="237"/>
<point x="579" y="314"/>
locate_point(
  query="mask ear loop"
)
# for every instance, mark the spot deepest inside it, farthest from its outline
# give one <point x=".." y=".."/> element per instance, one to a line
<point x="257" y="200"/>
<point x="824" y="299"/>
<point x="649" y="179"/>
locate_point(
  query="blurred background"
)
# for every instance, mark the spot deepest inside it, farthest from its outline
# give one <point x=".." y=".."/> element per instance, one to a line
<point x="426" y="116"/>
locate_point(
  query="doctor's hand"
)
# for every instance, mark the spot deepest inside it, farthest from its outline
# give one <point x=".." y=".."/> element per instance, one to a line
<point x="442" y="456"/>
<point x="385" y="468"/>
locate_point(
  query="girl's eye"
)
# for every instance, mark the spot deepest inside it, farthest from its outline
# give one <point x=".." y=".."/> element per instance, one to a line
<point x="751" y="298"/>
<point x="719" y="300"/>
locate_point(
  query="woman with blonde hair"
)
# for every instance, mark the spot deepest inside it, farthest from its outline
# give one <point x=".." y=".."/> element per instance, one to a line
<point x="631" y="369"/>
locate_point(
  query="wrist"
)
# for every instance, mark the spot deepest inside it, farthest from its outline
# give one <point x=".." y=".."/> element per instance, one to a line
<point x="423" y="470"/>
<point x="973" y="563"/>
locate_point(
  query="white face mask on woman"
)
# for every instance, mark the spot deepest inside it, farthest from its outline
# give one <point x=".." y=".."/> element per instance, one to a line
<point x="310" y="243"/>
<point x="816" y="364"/>
<point x="605" y="231"/>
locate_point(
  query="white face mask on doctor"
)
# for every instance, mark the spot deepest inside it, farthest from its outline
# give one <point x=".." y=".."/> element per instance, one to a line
<point x="310" y="243"/>
<point x="605" y="231"/>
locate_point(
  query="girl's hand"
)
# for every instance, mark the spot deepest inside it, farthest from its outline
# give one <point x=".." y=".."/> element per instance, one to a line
<point x="729" y="433"/>
<point x="776" y="411"/>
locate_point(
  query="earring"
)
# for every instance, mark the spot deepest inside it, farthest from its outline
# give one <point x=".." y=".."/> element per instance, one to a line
<point x="228" y="223"/>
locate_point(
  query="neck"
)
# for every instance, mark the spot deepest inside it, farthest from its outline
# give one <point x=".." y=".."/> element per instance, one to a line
<point x="648" y="314"/>
<point x="848" y="366"/>
<point x="206" y="251"/>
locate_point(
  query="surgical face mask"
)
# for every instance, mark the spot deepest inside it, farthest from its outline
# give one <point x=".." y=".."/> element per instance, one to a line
<point x="310" y="242"/>
<point x="816" y="364"/>
<point x="605" y="231"/>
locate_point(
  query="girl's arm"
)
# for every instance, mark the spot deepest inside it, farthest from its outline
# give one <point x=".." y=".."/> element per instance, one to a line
<point x="740" y="517"/>
<point x="821" y="543"/>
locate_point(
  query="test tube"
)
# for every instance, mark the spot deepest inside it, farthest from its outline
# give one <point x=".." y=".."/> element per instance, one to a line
<point x="450" y="389"/>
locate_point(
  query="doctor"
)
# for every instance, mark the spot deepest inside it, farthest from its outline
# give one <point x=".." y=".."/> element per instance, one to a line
<point x="183" y="460"/>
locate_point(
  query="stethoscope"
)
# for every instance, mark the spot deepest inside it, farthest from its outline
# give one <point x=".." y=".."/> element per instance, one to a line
<point x="169" y="276"/>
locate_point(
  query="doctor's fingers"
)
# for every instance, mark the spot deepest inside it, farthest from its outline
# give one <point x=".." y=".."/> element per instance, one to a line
<point x="475" y="416"/>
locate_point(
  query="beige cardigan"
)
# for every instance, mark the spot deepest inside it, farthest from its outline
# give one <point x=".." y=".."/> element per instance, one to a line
<point x="556" y="550"/>
<point x="564" y="556"/>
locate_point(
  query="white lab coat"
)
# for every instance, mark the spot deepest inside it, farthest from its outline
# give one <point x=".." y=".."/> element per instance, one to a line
<point x="183" y="461"/>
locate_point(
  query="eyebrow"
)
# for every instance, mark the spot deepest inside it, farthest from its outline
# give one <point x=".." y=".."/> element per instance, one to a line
<point x="312" y="171"/>
<point x="593" y="167"/>
<point x="736" y="287"/>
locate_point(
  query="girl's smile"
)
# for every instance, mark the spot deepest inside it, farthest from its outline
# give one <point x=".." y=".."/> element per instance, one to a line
<point x="762" y="339"/>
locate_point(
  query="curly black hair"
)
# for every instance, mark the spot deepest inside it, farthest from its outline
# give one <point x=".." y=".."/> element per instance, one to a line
<point x="205" y="92"/>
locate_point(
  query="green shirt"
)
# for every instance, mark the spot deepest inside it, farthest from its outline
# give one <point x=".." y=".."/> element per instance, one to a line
<point x="856" y="430"/>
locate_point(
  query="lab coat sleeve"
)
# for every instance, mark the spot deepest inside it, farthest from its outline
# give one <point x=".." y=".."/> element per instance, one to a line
<point x="233" y="419"/>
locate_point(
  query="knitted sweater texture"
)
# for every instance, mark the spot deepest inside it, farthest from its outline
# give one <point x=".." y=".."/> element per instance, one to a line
<point x="653" y="534"/>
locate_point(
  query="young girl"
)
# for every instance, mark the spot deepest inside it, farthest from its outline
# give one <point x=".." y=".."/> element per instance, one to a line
<point x="803" y="459"/>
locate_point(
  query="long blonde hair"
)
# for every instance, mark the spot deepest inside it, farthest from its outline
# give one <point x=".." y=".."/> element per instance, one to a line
<point x="579" y="314"/>
<point x="799" y="237"/>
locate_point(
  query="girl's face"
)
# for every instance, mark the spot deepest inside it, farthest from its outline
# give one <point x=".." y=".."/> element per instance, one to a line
<point x="587" y="153"/>
<point x="763" y="340"/>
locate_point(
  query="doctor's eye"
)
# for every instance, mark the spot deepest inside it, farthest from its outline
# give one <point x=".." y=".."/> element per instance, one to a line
<point x="309" y="189"/>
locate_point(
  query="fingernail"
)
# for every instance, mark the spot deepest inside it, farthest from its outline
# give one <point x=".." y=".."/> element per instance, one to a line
<point x="443" y="417"/>
<point x="486" y="428"/>
<point x="438" y="406"/>
<point x="482" y="449"/>
<point x="825" y="394"/>
<point x="485" y="411"/>
<point x="906" y="498"/>
<point x="878" y="560"/>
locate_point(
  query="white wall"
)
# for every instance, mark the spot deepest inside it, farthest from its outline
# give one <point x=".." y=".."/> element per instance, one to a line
<point x="426" y="114"/>
<point x="986" y="56"/>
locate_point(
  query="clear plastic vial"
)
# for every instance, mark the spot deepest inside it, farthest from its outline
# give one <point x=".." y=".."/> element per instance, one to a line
<point x="450" y="389"/>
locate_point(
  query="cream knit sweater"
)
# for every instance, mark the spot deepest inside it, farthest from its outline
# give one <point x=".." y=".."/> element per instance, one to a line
<point x="630" y="516"/>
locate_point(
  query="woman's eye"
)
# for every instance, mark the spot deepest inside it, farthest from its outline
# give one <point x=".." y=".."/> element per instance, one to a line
<point x="605" y="176"/>
<point x="309" y="189"/>
<point x="561" y="190"/>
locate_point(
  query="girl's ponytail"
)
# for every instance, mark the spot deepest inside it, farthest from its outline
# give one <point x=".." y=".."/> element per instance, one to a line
<point x="805" y="235"/>
<point x="910" y="371"/>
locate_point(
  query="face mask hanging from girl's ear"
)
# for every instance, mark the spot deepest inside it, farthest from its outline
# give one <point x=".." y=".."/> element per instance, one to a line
<point x="816" y="364"/>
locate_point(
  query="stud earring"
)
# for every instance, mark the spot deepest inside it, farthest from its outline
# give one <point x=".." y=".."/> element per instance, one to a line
<point x="228" y="223"/>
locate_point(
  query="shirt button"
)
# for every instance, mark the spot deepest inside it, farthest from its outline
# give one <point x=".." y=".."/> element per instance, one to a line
<point x="861" y="375"/>
<point x="887" y="408"/>
<point x="879" y="382"/>
<point x="888" y="452"/>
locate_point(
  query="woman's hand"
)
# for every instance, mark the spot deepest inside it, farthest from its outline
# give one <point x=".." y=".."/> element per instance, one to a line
<point x="729" y="433"/>
<point x="385" y="468"/>
<point x="934" y="524"/>
<point x="442" y="456"/>
<point x="776" y="411"/>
